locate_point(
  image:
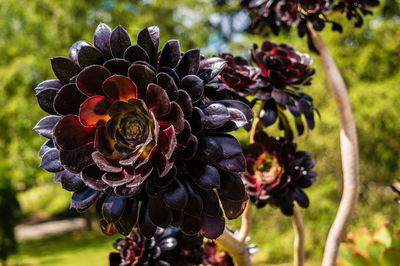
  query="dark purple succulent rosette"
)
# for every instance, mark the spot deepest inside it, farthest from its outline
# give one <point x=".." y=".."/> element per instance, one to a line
<point x="168" y="247"/>
<point x="277" y="173"/>
<point x="354" y="10"/>
<point x="285" y="14"/>
<point x="129" y="124"/>
<point x="239" y="75"/>
<point x="283" y="71"/>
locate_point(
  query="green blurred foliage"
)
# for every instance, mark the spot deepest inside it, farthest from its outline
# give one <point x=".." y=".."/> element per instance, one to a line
<point x="31" y="31"/>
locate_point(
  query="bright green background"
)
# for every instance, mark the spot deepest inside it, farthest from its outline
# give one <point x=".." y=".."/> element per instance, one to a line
<point x="33" y="31"/>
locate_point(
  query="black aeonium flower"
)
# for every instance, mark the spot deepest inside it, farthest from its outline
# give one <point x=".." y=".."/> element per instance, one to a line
<point x="277" y="173"/>
<point x="169" y="246"/>
<point x="283" y="71"/>
<point x="286" y="14"/>
<point x="130" y="124"/>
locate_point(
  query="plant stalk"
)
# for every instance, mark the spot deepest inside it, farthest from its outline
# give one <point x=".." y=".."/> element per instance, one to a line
<point x="349" y="151"/>
<point x="299" y="237"/>
<point x="237" y="249"/>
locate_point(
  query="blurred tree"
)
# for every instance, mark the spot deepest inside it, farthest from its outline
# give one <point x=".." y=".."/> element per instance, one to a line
<point x="10" y="213"/>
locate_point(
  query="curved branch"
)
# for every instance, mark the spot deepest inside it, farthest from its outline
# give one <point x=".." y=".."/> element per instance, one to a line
<point x="349" y="150"/>
<point x="245" y="223"/>
<point x="299" y="237"/>
<point x="235" y="248"/>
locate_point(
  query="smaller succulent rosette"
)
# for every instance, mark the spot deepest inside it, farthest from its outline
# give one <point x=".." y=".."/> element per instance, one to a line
<point x="283" y="71"/>
<point x="277" y="173"/>
<point x="239" y="75"/>
<point x="286" y="14"/>
<point x="216" y="257"/>
<point x="169" y="246"/>
<point x="354" y="10"/>
<point x="135" y="131"/>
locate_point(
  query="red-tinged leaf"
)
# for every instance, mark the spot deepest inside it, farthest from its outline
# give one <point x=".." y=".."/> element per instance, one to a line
<point x="70" y="134"/>
<point x="120" y="88"/>
<point x="94" y="110"/>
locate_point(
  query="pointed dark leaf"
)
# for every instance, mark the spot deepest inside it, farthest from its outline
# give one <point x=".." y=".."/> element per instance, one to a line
<point x="269" y="114"/>
<point x="159" y="213"/>
<point x="74" y="50"/>
<point x="48" y="84"/>
<point x="45" y="100"/>
<point x="51" y="162"/>
<point x="204" y="175"/>
<point x="117" y="66"/>
<point x="89" y="55"/>
<point x="128" y="218"/>
<point x="68" y="100"/>
<point x="69" y="133"/>
<point x="46" y="125"/>
<point x="157" y="100"/>
<point x="215" y="64"/>
<point x="233" y="209"/>
<point x="166" y="82"/>
<point x="83" y="199"/>
<point x="216" y="115"/>
<point x="210" y="203"/>
<point x="136" y="53"/>
<point x="119" y="41"/>
<point x="46" y="147"/>
<point x="91" y="79"/>
<point x="112" y="208"/>
<point x="102" y="39"/>
<point x="77" y="159"/>
<point x="71" y="182"/>
<point x="191" y="225"/>
<point x="197" y="120"/>
<point x="209" y="149"/>
<point x="194" y="207"/>
<point x="189" y="63"/>
<point x="194" y="86"/>
<point x="64" y="68"/>
<point x="170" y="54"/>
<point x="141" y="76"/>
<point x="232" y="186"/>
<point x="185" y="102"/>
<point x="91" y="176"/>
<point x="147" y="228"/>
<point x="176" y="196"/>
<point x="149" y="39"/>
<point x="212" y="227"/>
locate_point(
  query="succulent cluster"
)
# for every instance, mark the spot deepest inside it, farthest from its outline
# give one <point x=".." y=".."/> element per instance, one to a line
<point x="285" y="14"/>
<point x="363" y="248"/>
<point x="130" y="124"/>
<point x="280" y="71"/>
<point x="170" y="247"/>
<point x="277" y="173"/>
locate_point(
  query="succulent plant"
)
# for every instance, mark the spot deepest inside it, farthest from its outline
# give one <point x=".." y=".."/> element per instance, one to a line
<point x="363" y="248"/>
<point x="168" y="247"/>
<point x="277" y="173"/>
<point x="239" y="75"/>
<point x="129" y="124"/>
<point x="283" y="70"/>
<point x="285" y="14"/>
<point x="277" y="78"/>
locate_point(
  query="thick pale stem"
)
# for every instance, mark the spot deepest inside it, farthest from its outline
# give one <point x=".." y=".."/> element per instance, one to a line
<point x="349" y="151"/>
<point x="256" y="123"/>
<point x="237" y="249"/>
<point x="246" y="223"/>
<point x="299" y="237"/>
